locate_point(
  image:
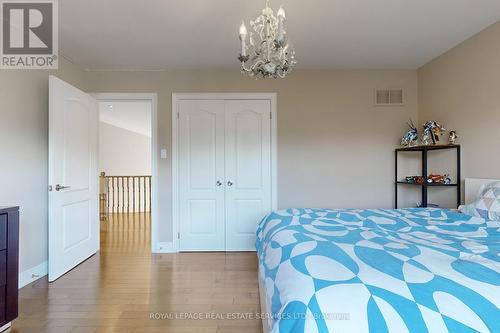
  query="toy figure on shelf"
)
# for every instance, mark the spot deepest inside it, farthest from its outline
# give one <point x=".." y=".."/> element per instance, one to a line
<point x="415" y="179"/>
<point x="452" y="137"/>
<point x="410" y="139"/>
<point x="432" y="132"/>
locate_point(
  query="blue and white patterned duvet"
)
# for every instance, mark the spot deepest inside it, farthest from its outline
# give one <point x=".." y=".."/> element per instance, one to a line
<point x="407" y="270"/>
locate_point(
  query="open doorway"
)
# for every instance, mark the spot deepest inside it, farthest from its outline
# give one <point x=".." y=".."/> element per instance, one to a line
<point x="127" y="173"/>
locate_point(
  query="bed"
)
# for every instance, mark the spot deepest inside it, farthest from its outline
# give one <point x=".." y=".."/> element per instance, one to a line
<point x="378" y="270"/>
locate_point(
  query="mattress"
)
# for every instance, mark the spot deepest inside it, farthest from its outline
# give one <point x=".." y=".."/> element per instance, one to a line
<point x="378" y="270"/>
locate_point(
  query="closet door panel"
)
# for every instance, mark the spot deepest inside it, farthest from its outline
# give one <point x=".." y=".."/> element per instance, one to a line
<point x="201" y="173"/>
<point x="248" y="170"/>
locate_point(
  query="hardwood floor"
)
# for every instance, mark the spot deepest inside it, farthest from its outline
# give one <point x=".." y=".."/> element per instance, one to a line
<point x="126" y="289"/>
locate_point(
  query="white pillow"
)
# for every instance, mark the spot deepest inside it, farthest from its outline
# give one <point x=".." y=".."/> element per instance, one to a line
<point x="487" y="204"/>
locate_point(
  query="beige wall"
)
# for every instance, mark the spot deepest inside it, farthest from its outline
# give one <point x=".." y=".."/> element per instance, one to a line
<point x="335" y="149"/>
<point x="334" y="146"/>
<point x="24" y="150"/>
<point x="461" y="89"/>
<point x="123" y="152"/>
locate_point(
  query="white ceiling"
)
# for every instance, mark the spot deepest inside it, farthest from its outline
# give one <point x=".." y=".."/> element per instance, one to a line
<point x="202" y="34"/>
<point x="133" y="116"/>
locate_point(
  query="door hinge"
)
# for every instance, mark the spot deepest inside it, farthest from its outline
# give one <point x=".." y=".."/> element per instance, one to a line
<point x="178" y="116"/>
<point x="178" y="235"/>
<point x="270" y="115"/>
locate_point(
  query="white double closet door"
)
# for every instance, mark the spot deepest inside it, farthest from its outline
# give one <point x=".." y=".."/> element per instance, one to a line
<point x="224" y="173"/>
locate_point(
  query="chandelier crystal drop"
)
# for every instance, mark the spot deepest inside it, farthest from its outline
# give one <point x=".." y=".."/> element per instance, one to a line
<point x="267" y="54"/>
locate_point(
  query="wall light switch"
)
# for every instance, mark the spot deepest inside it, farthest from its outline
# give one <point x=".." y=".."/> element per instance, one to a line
<point x="163" y="153"/>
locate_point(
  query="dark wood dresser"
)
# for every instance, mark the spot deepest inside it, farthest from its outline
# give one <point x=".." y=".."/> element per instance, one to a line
<point x="9" y="263"/>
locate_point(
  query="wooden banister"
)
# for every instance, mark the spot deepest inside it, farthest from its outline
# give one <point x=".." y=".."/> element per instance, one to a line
<point x="125" y="194"/>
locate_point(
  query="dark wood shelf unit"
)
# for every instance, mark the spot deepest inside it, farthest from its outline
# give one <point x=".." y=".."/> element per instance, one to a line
<point x="425" y="184"/>
<point x="9" y="264"/>
<point x="427" y="148"/>
<point x="424" y="150"/>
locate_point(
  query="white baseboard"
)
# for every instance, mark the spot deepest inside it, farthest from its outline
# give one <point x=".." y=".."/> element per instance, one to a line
<point x="30" y="275"/>
<point x="33" y="274"/>
<point x="165" y="247"/>
<point x="6" y="326"/>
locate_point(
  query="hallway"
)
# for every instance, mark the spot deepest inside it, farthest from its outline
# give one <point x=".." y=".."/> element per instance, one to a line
<point x="126" y="232"/>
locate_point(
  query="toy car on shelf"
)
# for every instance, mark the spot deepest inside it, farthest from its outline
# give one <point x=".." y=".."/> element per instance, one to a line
<point x="439" y="179"/>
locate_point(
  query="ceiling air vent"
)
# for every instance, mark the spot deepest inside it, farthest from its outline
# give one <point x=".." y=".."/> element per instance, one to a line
<point x="388" y="97"/>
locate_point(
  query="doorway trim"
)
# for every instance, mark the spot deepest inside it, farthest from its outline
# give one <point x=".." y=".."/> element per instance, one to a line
<point x="176" y="97"/>
<point x="153" y="98"/>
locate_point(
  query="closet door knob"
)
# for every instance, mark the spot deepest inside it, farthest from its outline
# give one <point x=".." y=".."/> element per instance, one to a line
<point x="229" y="183"/>
<point x="218" y="183"/>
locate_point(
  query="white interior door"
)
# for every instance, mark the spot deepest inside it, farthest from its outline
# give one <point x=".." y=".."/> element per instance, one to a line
<point x="201" y="175"/>
<point x="73" y="177"/>
<point x="248" y="170"/>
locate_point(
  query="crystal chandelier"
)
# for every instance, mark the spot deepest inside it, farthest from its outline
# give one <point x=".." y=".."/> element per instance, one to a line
<point x="268" y="53"/>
